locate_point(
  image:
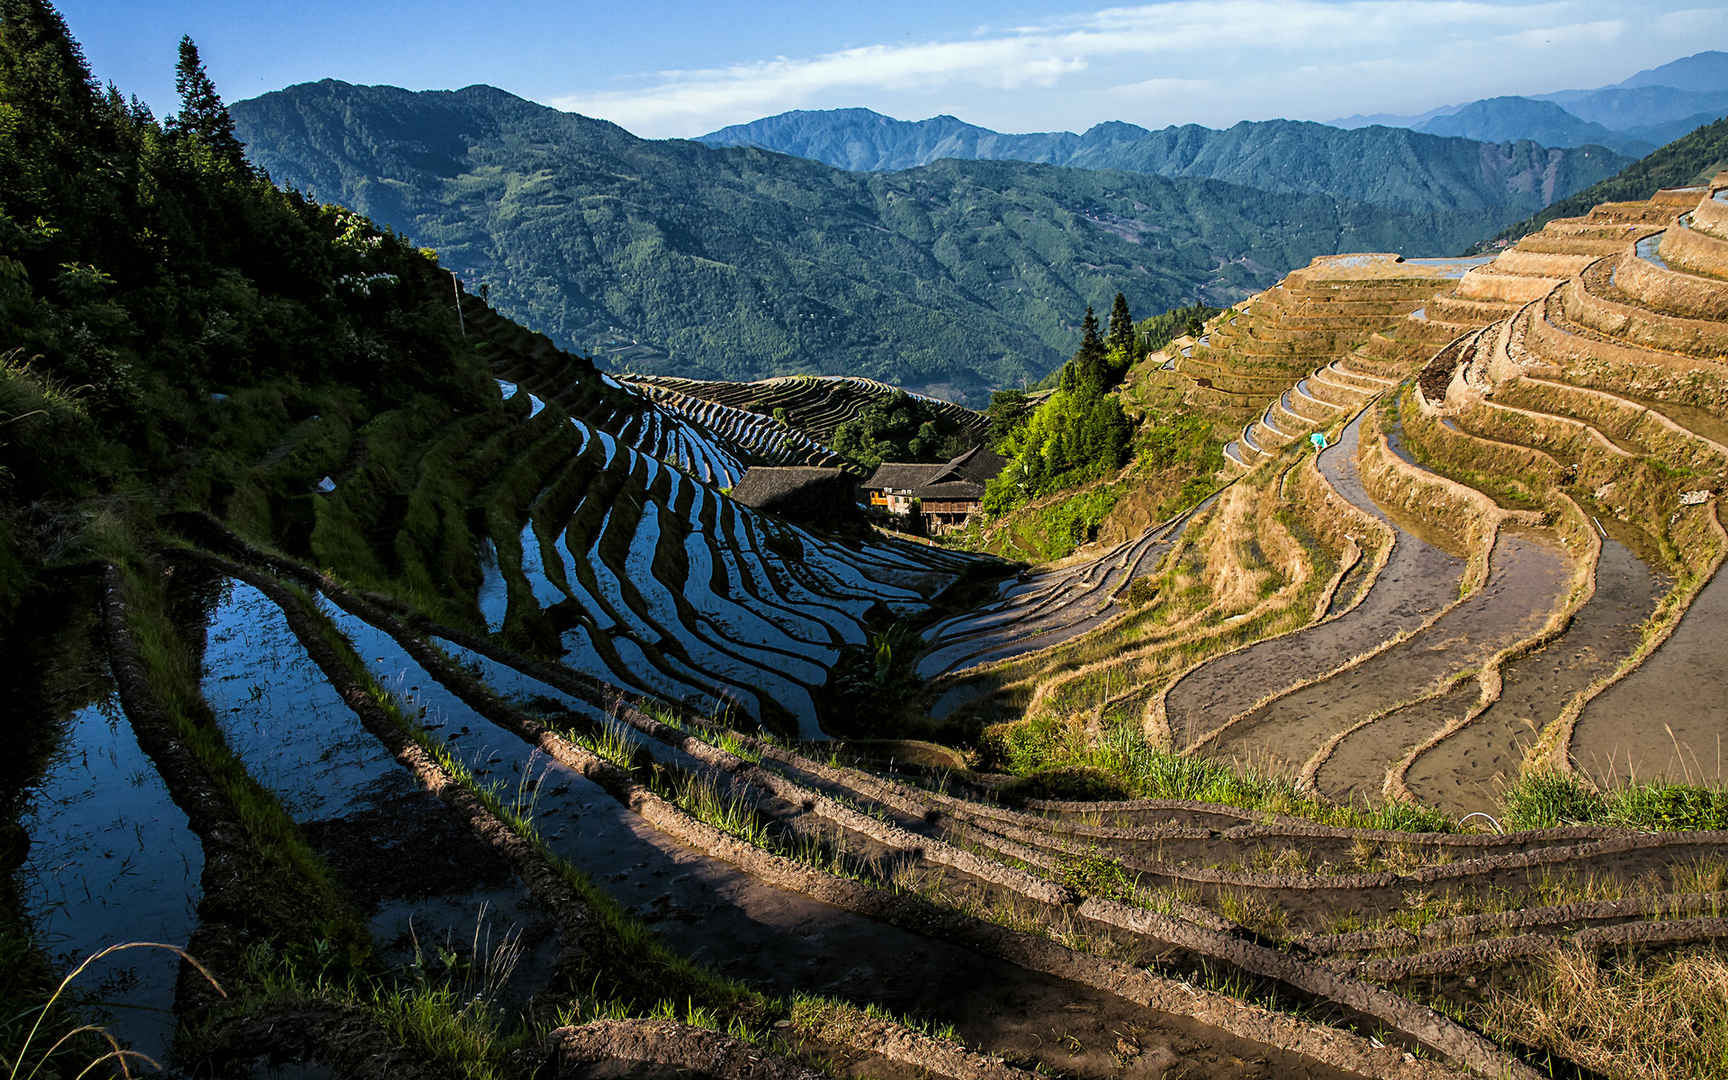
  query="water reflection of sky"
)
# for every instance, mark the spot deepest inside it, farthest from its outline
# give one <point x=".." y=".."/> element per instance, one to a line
<point x="111" y="860"/>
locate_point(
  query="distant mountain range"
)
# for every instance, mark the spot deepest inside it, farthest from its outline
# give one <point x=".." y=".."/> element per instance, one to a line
<point x="1634" y="116"/>
<point x="673" y="256"/>
<point x="1388" y="167"/>
<point x="1691" y="159"/>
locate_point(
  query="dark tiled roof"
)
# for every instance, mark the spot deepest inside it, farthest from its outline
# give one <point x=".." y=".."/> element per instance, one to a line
<point x="976" y="466"/>
<point x="763" y="485"/>
<point x="903" y="475"/>
<point x="950" y="491"/>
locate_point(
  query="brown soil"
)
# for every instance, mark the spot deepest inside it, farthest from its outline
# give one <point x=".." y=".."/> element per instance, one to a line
<point x="1467" y="770"/>
<point x="1356" y="769"/>
<point x="1417" y="581"/>
<point x="784" y="941"/>
<point x="1667" y="719"/>
<point x="1526" y="580"/>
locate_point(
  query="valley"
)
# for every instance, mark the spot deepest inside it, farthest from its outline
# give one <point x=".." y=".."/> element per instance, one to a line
<point x="401" y="691"/>
<point x="670" y="257"/>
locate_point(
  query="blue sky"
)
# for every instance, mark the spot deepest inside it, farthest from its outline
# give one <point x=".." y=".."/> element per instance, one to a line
<point x="679" y="69"/>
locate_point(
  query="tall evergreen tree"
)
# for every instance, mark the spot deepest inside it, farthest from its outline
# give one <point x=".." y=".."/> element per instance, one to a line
<point x="48" y="117"/>
<point x="202" y="113"/>
<point x="1091" y="345"/>
<point x="1088" y="369"/>
<point x="1121" y="329"/>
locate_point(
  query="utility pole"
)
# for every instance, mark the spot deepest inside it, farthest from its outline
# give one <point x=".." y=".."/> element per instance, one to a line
<point x="456" y="284"/>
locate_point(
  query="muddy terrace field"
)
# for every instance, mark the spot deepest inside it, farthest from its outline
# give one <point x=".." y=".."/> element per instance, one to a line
<point x="508" y="751"/>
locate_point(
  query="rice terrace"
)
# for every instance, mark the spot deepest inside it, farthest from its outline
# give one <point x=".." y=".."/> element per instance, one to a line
<point x="425" y="664"/>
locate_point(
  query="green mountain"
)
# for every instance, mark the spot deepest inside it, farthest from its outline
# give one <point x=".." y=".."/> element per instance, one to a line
<point x="1385" y="166"/>
<point x="1691" y="159"/>
<point x="1503" y="119"/>
<point x="674" y="257"/>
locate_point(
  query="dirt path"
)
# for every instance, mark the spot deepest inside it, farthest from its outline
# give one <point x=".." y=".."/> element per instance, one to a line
<point x="1417" y="581"/>
<point x="1526" y="580"/>
<point x="1467" y="770"/>
<point x="783" y="941"/>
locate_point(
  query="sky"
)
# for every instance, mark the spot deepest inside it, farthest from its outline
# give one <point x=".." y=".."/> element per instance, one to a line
<point x="665" y="69"/>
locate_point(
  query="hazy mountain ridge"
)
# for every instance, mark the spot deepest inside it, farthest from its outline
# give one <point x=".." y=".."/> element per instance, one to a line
<point x="1384" y="166"/>
<point x="1691" y="159"/>
<point x="1634" y="116"/>
<point x="1505" y="119"/>
<point x="676" y="257"/>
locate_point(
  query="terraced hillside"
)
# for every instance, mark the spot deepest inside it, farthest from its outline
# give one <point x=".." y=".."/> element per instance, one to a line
<point x="1485" y="291"/>
<point x="814" y="405"/>
<point x="396" y="696"/>
<point x="1104" y="938"/>
<point x="710" y="441"/>
<point x="1005" y="657"/>
<point x="644" y="575"/>
<point x="1466" y="580"/>
<point x="1312" y="318"/>
<point x="494" y="685"/>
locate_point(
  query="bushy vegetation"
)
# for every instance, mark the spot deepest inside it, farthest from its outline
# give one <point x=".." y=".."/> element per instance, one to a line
<point x="1545" y="799"/>
<point x="899" y="428"/>
<point x="165" y="309"/>
<point x="1054" y="757"/>
<point x="1184" y="450"/>
<point x="1077" y="434"/>
<point x="1054" y="530"/>
<point x="1160" y="330"/>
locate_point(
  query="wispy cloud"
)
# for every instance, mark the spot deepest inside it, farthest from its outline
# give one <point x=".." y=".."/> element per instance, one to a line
<point x="1179" y="48"/>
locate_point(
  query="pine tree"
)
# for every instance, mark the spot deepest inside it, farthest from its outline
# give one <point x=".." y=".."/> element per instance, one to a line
<point x="1091" y="345"/>
<point x="48" y="114"/>
<point x="202" y="113"/>
<point x="1121" y="328"/>
<point x="1088" y="371"/>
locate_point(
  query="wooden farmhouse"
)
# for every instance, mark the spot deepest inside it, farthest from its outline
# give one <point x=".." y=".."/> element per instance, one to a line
<point x="945" y="494"/>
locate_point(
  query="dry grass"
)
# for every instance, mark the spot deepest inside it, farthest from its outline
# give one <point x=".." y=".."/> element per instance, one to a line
<point x="1660" y="1019"/>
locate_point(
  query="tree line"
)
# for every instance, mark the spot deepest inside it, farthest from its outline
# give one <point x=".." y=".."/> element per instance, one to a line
<point x="1079" y="432"/>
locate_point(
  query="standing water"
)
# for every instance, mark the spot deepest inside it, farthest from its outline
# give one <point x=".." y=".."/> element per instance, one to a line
<point x="111" y="860"/>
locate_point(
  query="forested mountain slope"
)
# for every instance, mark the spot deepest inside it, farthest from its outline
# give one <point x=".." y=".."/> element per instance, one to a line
<point x="677" y="258"/>
<point x="1691" y="159"/>
<point x="1386" y="166"/>
<point x="1506" y="118"/>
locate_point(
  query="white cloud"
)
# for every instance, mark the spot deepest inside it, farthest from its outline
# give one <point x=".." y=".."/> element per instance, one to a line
<point x="1162" y="88"/>
<point x="1599" y="32"/>
<point x="1186" y="44"/>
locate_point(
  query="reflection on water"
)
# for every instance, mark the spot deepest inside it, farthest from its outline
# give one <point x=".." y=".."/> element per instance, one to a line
<point x="112" y="859"/>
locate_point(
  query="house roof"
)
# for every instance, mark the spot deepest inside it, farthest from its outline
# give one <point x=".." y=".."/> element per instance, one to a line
<point x="976" y="467"/>
<point x="763" y="485"/>
<point x="903" y="475"/>
<point x="950" y="490"/>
